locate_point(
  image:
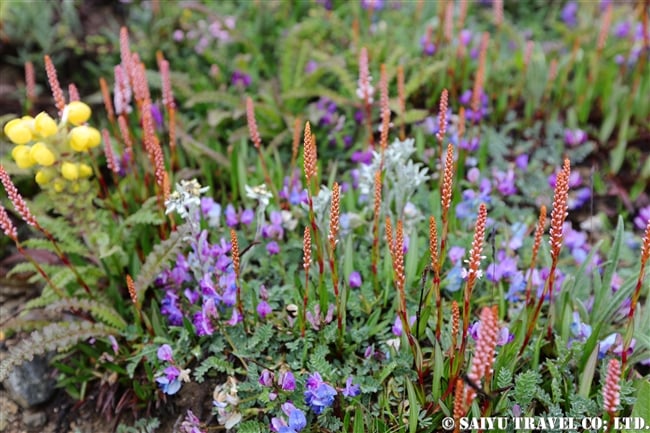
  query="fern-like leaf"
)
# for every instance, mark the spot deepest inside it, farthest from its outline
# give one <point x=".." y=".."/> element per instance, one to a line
<point x="99" y="311"/>
<point x="147" y="214"/>
<point x="158" y="258"/>
<point x="58" y="336"/>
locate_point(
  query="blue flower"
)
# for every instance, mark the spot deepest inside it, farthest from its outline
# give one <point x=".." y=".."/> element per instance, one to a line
<point x="350" y="390"/>
<point x="319" y="394"/>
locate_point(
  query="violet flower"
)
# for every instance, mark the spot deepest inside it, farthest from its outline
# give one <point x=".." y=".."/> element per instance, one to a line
<point x="568" y="14"/>
<point x="354" y="279"/>
<point x="165" y="353"/>
<point x="318" y="394"/>
<point x="641" y="220"/>
<point x="350" y="390"/>
<point x="264" y="309"/>
<point x="287" y="381"/>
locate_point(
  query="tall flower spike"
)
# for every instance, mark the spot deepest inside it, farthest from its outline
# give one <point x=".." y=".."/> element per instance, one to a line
<point x="16" y="199"/>
<point x="612" y="388"/>
<point x="131" y="286"/>
<point x="57" y="93"/>
<point x="539" y="232"/>
<point x="461" y="122"/>
<point x="140" y="84"/>
<point x="7" y="226"/>
<point x="480" y="74"/>
<point x="399" y="262"/>
<point x="365" y="90"/>
<point x="295" y="145"/>
<point x="462" y="13"/>
<point x="447" y="182"/>
<point x="73" y="93"/>
<point x="334" y="216"/>
<point x="455" y="325"/>
<point x="459" y="403"/>
<point x="124" y="131"/>
<point x="645" y="248"/>
<point x="108" y="152"/>
<point x="433" y="242"/>
<point x="484" y="352"/>
<point x="604" y="27"/>
<point x="125" y="54"/>
<point x="30" y="82"/>
<point x="442" y="116"/>
<point x="385" y="109"/>
<point x="122" y="91"/>
<point x="252" y="124"/>
<point x="560" y="206"/>
<point x="389" y="238"/>
<point x="306" y="249"/>
<point x="235" y="252"/>
<point x="309" y="154"/>
<point x="497" y="12"/>
<point x="477" y="245"/>
<point x="106" y="96"/>
<point x="449" y="21"/>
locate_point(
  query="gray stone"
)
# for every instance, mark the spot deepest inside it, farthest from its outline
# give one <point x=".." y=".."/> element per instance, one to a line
<point x="33" y="420"/>
<point x="31" y="383"/>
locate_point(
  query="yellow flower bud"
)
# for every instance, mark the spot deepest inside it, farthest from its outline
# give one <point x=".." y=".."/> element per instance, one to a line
<point x="74" y="187"/>
<point x="18" y="131"/>
<point x="44" y="176"/>
<point x="42" y="154"/>
<point x="45" y="125"/>
<point x="70" y="171"/>
<point x="94" y="137"/>
<point x="85" y="170"/>
<point x="22" y="156"/>
<point x="78" y="112"/>
<point x="78" y="138"/>
<point x="58" y="185"/>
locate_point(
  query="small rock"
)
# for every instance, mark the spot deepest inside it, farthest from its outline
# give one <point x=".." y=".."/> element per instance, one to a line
<point x="8" y="410"/>
<point x="30" y="383"/>
<point x="33" y="420"/>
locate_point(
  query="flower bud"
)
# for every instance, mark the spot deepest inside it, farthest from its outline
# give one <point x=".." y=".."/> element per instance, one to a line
<point x="18" y="132"/>
<point x="44" y="176"/>
<point x="70" y="171"/>
<point x="58" y="184"/>
<point x="94" y="137"/>
<point x="85" y="170"/>
<point x="78" y="138"/>
<point x="78" y="113"/>
<point x="21" y="154"/>
<point x="42" y="154"/>
<point x="45" y="125"/>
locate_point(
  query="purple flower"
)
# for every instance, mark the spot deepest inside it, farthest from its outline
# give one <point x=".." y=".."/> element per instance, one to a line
<point x="287" y="381"/>
<point x="622" y="29"/>
<point x="350" y="390"/>
<point x="157" y="115"/>
<point x="464" y="37"/>
<point x="247" y="216"/>
<point x="361" y="157"/>
<point x="455" y="254"/>
<point x="522" y="161"/>
<point x="641" y="220"/>
<point x="504" y="337"/>
<point x="169" y="308"/>
<point x="574" y="137"/>
<point x="310" y="67"/>
<point x="427" y="46"/>
<point x="264" y="309"/>
<point x="179" y="35"/>
<point x="318" y="394"/>
<point x="266" y="378"/>
<point x="355" y="279"/>
<point x="232" y="219"/>
<point x="372" y="4"/>
<point x="580" y="331"/>
<point x="273" y="248"/>
<point x="614" y="343"/>
<point x="114" y="344"/>
<point x="504" y="267"/>
<point x="169" y="387"/>
<point x="241" y="79"/>
<point x="165" y="353"/>
<point x="235" y="318"/>
<point x="274" y="230"/>
<point x="211" y="211"/>
<point x="470" y="145"/>
<point x="568" y="14"/>
<point x="505" y="182"/>
<point x="397" y="325"/>
<point x="202" y="323"/>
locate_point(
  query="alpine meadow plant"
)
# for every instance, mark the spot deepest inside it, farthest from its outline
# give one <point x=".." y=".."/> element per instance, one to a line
<point x="390" y="280"/>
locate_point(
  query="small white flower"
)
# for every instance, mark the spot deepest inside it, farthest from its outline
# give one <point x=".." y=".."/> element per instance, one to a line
<point x="184" y="375"/>
<point x="259" y="193"/>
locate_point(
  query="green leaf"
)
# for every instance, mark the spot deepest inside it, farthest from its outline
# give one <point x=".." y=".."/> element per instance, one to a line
<point x="642" y="406"/>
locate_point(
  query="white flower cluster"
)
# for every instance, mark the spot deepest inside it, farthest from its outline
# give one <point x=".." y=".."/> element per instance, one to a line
<point x="185" y="198"/>
<point x="225" y="400"/>
<point x="402" y="176"/>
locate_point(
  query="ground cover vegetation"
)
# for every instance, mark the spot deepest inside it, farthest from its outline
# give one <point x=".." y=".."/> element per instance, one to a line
<point x="339" y="216"/>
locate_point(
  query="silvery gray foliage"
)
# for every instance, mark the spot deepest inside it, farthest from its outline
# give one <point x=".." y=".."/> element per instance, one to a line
<point x="322" y="204"/>
<point x="402" y="176"/>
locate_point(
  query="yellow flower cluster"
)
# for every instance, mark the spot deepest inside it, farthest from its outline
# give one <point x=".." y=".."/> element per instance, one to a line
<point x="55" y="148"/>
